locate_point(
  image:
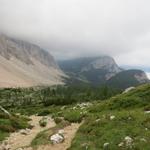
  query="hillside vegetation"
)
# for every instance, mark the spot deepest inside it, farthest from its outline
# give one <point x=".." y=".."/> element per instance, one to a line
<point x="11" y="123"/>
<point x="117" y="122"/>
<point x="122" y="122"/>
<point x="57" y="95"/>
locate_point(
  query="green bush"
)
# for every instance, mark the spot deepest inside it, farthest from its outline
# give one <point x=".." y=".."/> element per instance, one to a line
<point x="126" y="102"/>
<point x="43" y="123"/>
<point x="73" y="116"/>
<point x="4" y="116"/>
<point x="18" y="123"/>
<point x="44" y="112"/>
<point x="58" y="120"/>
<point x="7" y="128"/>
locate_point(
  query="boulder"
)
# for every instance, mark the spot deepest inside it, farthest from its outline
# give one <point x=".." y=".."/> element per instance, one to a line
<point x="105" y="146"/>
<point x="24" y="131"/>
<point x="112" y="117"/>
<point x="128" y="141"/>
<point x="57" y="138"/>
<point x="97" y="120"/>
<point x="147" y="112"/>
<point x="121" y="144"/>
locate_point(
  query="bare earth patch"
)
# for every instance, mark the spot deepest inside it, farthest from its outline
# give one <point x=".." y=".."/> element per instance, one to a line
<point x="69" y="133"/>
<point x="17" y="140"/>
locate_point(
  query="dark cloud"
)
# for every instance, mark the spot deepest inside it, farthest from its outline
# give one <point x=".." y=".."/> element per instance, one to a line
<point x="73" y="28"/>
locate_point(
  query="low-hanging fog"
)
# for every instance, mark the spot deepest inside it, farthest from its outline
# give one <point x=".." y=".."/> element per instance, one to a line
<point x="78" y="28"/>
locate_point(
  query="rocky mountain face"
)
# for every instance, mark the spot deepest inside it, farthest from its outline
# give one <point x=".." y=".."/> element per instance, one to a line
<point x="101" y="70"/>
<point x="25" y="64"/>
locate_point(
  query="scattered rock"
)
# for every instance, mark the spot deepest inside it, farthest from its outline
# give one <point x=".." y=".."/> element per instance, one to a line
<point x="63" y="107"/>
<point x="19" y="149"/>
<point x="105" y="146"/>
<point x="128" y="141"/>
<point x="57" y="138"/>
<point x="129" y="118"/>
<point x="112" y="117"/>
<point x="121" y="144"/>
<point x="97" y="120"/>
<point x="146" y="129"/>
<point x="128" y="89"/>
<point x="143" y="140"/>
<point x="147" y="112"/>
<point x="5" y="147"/>
<point x="61" y="132"/>
<point x="84" y="105"/>
<point x="74" y="108"/>
<point x="24" y="131"/>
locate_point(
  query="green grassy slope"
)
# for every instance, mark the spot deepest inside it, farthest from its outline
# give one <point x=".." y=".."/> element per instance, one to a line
<point x="130" y="120"/>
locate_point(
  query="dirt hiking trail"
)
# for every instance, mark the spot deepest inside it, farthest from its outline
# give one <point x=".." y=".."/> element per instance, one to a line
<point x="69" y="133"/>
<point x="17" y="139"/>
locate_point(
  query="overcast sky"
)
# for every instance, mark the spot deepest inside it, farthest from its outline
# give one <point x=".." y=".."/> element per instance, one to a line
<point x="77" y="28"/>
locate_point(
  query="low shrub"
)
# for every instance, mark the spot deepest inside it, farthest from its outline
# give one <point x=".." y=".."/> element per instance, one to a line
<point x="4" y="116"/>
<point x="58" y="120"/>
<point x="18" y="123"/>
<point x="43" y="122"/>
<point x="7" y="128"/>
<point x="44" y="112"/>
<point x="73" y="116"/>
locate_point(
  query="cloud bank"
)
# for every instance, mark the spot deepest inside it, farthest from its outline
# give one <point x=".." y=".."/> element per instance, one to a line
<point x="78" y="28"/>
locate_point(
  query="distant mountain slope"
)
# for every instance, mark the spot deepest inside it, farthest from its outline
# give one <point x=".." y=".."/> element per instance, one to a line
<point x="128" y="78"/>
<point x="94" y="70"/>
<point x="101" y="70"/>
<point x="25" y="64"/>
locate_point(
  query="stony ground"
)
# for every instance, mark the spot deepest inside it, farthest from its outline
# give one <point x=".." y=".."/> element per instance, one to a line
<point x="69" y="133"/>
<point x="23" y="138"/>
<point x="18" y="139"/>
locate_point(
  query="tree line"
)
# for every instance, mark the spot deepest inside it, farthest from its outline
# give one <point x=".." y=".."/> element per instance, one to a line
<point x="56" y="95"/>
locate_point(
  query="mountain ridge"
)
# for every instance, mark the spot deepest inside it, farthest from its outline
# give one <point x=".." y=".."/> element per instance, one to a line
<point x="24" y="64"/>
<point x="100" y="70"/>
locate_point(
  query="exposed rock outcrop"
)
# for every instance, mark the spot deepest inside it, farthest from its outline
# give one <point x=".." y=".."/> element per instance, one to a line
<point x="23" y="64"/>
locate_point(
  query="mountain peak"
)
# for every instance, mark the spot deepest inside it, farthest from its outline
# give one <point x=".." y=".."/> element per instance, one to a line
<point x="102" y="70"/>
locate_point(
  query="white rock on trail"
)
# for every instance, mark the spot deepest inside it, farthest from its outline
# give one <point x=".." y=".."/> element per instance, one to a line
<point x="57" y="138"/>
<point x="24" y="131"/>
